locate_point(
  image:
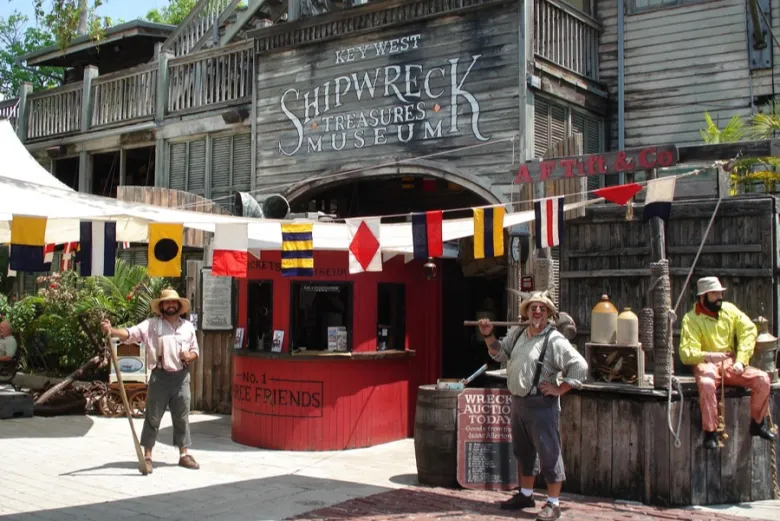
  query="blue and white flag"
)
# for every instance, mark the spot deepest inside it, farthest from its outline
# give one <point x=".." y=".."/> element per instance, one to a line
<point x="658" y="201"/>
<point x="97" y="250"/>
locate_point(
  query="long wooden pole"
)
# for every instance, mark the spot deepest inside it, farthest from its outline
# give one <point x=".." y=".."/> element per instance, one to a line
<point x="494" y="323"/>
<point x="138" y="451"/>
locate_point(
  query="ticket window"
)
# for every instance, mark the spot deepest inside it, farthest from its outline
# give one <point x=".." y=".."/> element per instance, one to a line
<point x="391" y="317"/>
<point x="260" y="315"/>
<point x="321" y="316"/>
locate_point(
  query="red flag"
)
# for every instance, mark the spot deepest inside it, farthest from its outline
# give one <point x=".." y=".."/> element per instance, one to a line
<point x="66" y="262"/>
<point x="231" y="245"/>
<point x="619" y="194"/>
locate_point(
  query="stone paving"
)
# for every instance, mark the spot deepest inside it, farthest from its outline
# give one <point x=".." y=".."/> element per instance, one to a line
<point x="84" y="467"/>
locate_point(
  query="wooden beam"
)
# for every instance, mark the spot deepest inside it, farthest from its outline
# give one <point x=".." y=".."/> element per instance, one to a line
<point x="675" y="272"/>
<point x="726" y="151"/>
<point x="671" y="250"/>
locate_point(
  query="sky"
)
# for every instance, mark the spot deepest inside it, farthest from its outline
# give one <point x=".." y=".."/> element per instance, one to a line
<point x="116" y="9"/>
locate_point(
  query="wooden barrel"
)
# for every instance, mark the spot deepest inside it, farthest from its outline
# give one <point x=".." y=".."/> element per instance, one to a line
<point x="436" y="436"/>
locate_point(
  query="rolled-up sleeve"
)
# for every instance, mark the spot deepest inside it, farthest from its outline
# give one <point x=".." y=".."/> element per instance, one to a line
<point x="506" y="346"/>
<point x="570" y="362"/>
<point x="191" y="343"/>
<point x="139" y="333"/>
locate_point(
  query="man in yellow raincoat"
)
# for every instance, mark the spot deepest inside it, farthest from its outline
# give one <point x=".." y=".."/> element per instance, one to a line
<point x="707" y="343"/>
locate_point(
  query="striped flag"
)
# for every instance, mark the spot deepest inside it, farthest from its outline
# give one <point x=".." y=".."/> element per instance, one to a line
<point x="658" y="201"/>
<point x="97" y="252"/>
<point x="548" y="221"/>
<point x="28" y="238"/>
<point x="297" y="250"/>
<point x="427" y="235"/>
<point x="48" y="254"/>
<point x="488" y="232"/>
<point x="231" y="244"/>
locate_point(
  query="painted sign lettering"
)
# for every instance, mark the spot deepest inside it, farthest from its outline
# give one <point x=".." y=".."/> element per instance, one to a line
<point x="629" y="160"/>
<point x="425" y="102"/>
<point x="261" y="265"/>
<point x="485" y="459"/>
<point x="267" y="396"/>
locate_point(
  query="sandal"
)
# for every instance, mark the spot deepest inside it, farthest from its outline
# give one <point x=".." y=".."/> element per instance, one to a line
<point x="188" y="462"/>
<point x="148" y="465"/>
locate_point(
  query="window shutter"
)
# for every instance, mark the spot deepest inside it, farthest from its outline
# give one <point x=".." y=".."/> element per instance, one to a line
<point x="196" y="183"/>
<point x="242" y="162"/>
<point x="221" y="169"/>
<point x="592" y="143"/>
<point x="557" y="124"/>
<point x="178" y="166"/>
<point x="541" y="127"/>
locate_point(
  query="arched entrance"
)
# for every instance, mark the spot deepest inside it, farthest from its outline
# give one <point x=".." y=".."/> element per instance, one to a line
<point x="468" y="288"/>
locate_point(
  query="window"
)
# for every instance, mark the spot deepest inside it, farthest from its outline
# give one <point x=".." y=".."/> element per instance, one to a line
<point x="391" y="317"/>
<point x="321" y="316"/>
<point x="638" y="6"/>
<point x="260" y="315"/>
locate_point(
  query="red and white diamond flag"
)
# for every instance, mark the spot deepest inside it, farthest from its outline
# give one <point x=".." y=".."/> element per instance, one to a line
<point x="364" y="251"/>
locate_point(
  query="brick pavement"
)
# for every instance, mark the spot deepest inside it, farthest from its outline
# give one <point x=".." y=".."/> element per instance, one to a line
<point x="436" y="504"/>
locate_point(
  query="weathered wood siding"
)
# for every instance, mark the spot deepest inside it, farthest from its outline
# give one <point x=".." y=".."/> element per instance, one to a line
<point x="452" y="82"/>
<point x="679" y="63"/>
<point x="620" y="446"/>
<point x="605" y="253"/>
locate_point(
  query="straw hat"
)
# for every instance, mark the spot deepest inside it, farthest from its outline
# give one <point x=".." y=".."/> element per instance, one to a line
<point x="539" y="296"/>
<point x="707" y="284"/>
<point x="170" y="294"/>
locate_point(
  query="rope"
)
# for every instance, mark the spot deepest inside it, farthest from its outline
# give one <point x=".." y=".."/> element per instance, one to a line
<point x="662" y="324"/>
<point x="646" y="329"/>
<point x="672" y="319"/>
<point x="773" y="457"/>
<point x="721" y="429"/>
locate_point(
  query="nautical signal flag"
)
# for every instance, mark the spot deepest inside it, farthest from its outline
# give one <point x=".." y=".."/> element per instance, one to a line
<point x="427" y="234"/>
<point x="97" y="255"/>
<point x="548" y="222"/>
<point x="48" y="254"/>
<point x="164" y="257"/>
<point x="231" y="244"/>
<point x="489" y="232"/>
<point x="28" y="238"/>
<point x="619" y="194"/>
<point x="658" y="201"/>
<point x="364" y="251"/>
<point x="297" y="250"/>
<point x="66" y="263"/>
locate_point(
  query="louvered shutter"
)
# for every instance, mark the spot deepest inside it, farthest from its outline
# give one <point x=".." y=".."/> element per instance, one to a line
<point x="593" y="146"/>
<point x="221" y="169"/>
<point x="196" y="182"/>
<point x="558" y="118"/>
<point x="177" y="179"/>
<point x="541" y="127"/>
<point x="242" y="162"/>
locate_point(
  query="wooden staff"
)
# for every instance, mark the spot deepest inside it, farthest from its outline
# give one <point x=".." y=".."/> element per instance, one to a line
<point x="507" y="324"/>
<point x="138" y="451"/>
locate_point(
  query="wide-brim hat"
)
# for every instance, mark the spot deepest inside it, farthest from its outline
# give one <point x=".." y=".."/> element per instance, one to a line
<point x="539" y="296"/>
<point x="707" y="284"/>
<point x="170" y="294"/>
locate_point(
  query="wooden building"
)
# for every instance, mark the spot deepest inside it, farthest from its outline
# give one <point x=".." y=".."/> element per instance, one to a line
<point x="285" y="97"/>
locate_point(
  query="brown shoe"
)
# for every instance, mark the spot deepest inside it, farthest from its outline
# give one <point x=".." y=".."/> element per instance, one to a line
<point x="550" y="512"/>
<point x="148" y="465"/>
<point x="188" y="462"/>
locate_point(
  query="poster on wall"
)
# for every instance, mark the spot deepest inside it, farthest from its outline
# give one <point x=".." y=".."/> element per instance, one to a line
<point x="217" y="302"/>
<point x="485" y="458"/>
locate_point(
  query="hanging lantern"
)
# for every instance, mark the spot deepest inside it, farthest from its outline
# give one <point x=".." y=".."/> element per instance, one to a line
<point x="765" y="354"/>
<point x="430" y="269"/>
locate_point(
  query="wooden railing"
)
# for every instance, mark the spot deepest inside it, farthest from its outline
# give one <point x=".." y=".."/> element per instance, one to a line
<point x="124" y="96"/>
<point x="54" y="111"/>
<point x="209" y="78"/>
<point x="9" y="109"/>
<point x="196" y="25"/>
<point x="567" y="37"/>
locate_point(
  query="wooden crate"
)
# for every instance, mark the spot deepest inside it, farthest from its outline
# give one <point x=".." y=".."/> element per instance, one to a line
<point x="627" y="363"/>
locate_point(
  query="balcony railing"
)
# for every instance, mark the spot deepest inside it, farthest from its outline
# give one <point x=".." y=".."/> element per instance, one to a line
<point x="208" y="80"/>
<point x="9" y="109"/>
<point x="567" y="37"/>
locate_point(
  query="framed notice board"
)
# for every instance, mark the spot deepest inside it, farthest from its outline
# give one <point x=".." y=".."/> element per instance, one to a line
<point x="216" y="302"/>
<point x="485" y="458"/>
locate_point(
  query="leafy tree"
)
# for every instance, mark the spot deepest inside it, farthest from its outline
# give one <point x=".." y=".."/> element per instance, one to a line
<point x="173" y="14"/>
<point x="68" y="19"/>
<point x="16" y="41"/>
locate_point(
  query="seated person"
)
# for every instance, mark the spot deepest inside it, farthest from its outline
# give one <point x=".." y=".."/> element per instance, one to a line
<point x="707" y="343"/>
<point x="7" y="342"/>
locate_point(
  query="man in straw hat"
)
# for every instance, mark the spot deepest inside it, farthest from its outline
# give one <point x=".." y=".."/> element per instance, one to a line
<point x="535" y="357"/>
<point x="707" y="343"/>
<point x="170" y="346"/>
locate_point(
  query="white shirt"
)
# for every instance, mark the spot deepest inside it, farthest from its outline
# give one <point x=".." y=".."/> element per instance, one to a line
<point x="8" y="346"/>
<point x="165" y="340"/>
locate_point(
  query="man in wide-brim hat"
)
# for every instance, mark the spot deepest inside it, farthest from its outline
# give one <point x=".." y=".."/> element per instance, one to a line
<point x="171" y="345"/>
<point x="707" y="343"/>
<point x="536" y="357"/>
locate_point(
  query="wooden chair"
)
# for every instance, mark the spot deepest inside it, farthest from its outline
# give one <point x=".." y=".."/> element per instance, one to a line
<point x="9" y="368"/>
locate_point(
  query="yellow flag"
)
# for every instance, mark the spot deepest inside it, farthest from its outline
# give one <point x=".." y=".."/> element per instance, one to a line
<point x="165" y="241"/>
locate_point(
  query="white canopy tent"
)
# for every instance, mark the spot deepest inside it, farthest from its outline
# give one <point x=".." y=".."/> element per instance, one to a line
<point x="26" y="188"/>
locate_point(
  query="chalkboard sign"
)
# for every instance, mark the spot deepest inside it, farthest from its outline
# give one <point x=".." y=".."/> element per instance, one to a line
<point x="217" y="302"/>
<point x="485" y="458"/>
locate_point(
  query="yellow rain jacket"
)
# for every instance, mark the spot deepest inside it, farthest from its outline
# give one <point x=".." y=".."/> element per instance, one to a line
<point x="702" y="334"/>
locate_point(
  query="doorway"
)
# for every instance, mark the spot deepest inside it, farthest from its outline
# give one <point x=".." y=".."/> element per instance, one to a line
<point x="67" y="171"/>
<point x="260" y="298"/>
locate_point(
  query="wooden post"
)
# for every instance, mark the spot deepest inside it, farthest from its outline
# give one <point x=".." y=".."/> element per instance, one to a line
<point x="162" y="83"/>
<point x="293" y="10"/>
<point x="90" y="73"/>
<point x="657" y="231"/>
<point x="21" y="111"/>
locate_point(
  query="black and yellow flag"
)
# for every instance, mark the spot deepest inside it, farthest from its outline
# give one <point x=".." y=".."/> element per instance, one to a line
<point x="297" y="250"/>
<point x="488" y="232"/>
<point x="165" y="242"/>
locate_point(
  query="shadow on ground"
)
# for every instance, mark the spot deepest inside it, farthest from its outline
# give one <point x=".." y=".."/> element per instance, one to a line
<point x="37" y="427"/>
